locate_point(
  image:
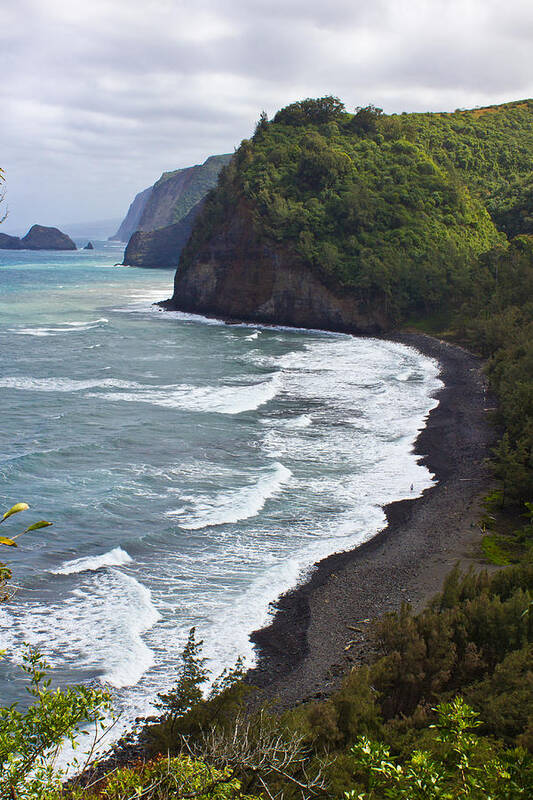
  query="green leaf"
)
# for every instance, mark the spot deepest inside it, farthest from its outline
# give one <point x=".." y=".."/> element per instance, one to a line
<point x="14" y="510"/>
<point x="37" y="525"/>
<point x="7" y="542"/>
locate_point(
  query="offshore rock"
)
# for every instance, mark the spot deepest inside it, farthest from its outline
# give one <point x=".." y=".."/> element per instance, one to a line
<point x="162" y="247"/>
<point x="236" y="275"/>
<point x="89" y="246"/>
<point x="8" y="242"/>
<point x="39" y="237"/>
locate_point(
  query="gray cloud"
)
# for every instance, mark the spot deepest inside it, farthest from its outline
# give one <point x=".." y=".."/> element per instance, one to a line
<point x="99" y="98"/>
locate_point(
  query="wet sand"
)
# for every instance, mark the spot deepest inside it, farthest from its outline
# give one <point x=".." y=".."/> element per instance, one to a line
<point x="320" y="629"/>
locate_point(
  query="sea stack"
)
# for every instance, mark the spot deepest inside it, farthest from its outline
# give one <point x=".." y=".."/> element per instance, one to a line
<point x="89" y="246"/>
<point x="39" y="237"/>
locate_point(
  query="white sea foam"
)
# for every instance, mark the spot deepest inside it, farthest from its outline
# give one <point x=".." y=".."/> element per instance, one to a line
<point x="84" y="324"/>
<point x="232" y="399"/>
<point x="303" y="421"/>
<point x="98" y="626"/>
<point x="114" y="558"/>
<point x="345" y="415"/>
<point x="185" y="317"/>
<point x="71" y="327"/>
<point x="28" y="384"/>
<point x="234" y="505"/>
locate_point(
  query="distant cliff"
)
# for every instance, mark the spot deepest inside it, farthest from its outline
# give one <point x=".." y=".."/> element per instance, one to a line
<point x="175" y="193"/>
<point x="131" y="221"/>
<point x="153" y="226"/>
<point x="356" y="222"/>
<point x="162" y="247"/>
<point x="39" y="237"/>
<point x="171" y="198"/>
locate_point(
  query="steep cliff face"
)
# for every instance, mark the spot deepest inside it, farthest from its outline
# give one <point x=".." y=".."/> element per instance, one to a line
<point x="175" y="193"/>
<point x="238" y="276"/>
<point x="174" y="199"/>
<point x="131" y="221"/>
<point x="162" y="247"/>
<point x="39" y="237"/>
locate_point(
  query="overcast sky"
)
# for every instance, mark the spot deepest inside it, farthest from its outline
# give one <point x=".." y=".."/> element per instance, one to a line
<point x="98" y="97"/>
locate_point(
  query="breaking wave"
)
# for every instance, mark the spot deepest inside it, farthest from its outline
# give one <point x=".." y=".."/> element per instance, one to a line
<point x="235" y="505"/>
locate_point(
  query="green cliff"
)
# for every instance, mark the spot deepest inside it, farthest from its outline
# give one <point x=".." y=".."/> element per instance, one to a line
<point x="159" y="220"/>
<point x="175" y="193"/>
<point x="358" y="221"/>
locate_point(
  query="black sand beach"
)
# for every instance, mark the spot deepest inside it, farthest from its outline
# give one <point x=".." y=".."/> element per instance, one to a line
<point x="319" y="629"/>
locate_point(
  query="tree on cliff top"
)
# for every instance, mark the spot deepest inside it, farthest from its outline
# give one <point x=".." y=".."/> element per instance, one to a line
<point x="311" y="111"/>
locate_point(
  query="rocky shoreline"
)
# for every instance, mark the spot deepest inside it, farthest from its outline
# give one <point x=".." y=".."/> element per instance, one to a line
<point x="320" y="629"/>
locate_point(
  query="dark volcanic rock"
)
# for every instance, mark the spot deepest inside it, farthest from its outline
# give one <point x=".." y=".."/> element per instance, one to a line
<point x="162" y="247"/>
<point x="235" y="275"/>
<point x="39" y="237"/>
<point x="89" y="246"/>
<point x="9" y="242"/>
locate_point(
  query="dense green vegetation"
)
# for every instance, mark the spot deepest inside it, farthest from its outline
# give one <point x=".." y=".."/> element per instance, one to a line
<point x="497" y="321"/>
<point x="396" y="728"/>
<point x="394" y="208"/>
<point x="445" y="710"/>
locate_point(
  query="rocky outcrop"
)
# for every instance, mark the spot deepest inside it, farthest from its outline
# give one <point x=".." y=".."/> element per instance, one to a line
<point x="132" y="219"/>
<point x="162" y="247"/>
<point x="236" y="275"/>
<point x="39" y="237"/>
<point x="89" y="246"/>
<point x="9" y="242"/>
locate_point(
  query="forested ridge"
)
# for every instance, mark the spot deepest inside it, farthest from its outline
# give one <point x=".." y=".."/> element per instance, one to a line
<point x="394" y="209"/>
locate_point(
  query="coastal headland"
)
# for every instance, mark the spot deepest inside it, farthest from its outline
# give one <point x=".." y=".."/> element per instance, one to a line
<point x="320" y="629"/>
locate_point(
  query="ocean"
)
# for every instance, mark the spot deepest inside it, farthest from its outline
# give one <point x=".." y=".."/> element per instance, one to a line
<point x="192" y="470"/>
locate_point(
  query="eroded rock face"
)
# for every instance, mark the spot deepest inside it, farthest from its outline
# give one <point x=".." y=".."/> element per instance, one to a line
<point x="236" y="276"/>
<point x="39" y="237"/>
<point x="162" y="247"/>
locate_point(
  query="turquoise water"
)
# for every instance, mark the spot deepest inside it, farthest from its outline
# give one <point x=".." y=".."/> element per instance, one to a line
<point x="193" y="470"/>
